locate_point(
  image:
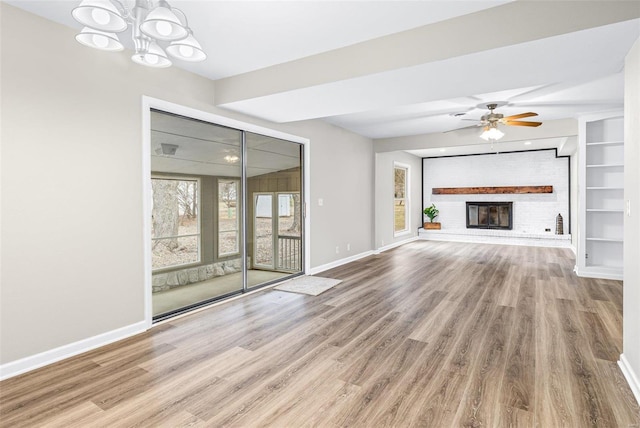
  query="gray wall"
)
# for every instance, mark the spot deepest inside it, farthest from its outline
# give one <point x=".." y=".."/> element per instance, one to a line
<point x="384" y="197"/>
<point x="631" y="327"/>
<point x="72" y="138"/>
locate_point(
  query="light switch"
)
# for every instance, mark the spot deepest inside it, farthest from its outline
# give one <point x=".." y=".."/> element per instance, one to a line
<point x="320" y="202"/>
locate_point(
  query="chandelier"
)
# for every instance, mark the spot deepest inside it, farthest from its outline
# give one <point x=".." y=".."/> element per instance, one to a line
<point x="151" y="22"/>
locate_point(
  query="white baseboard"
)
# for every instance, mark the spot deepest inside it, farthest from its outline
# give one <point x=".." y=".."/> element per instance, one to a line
<point x="630" y="375"/>
<point x="51" y="356"/>
<point x="574" y="249"/>
<point x="599" y="272"/>
<point x="396" y="244"/>
<point x="322" y="268"/>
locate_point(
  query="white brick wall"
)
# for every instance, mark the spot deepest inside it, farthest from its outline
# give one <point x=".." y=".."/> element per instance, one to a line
<point x="532" y="213"/>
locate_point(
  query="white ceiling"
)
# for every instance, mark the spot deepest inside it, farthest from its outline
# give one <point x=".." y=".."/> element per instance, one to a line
<point x="566" y="64"/>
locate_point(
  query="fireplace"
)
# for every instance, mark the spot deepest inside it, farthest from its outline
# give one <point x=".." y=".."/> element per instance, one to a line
<point x="490" y="215"/>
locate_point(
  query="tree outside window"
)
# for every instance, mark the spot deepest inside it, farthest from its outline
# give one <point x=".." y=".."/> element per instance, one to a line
<point x="175" y="222"/>
<point x="228" y="218"/>
<point x="400" y="202"/>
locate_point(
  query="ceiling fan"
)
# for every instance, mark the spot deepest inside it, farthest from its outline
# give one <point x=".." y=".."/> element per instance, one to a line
<point x="491" y="120"/>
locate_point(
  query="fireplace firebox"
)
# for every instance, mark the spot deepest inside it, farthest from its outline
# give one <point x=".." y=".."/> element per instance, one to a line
<point x="490" y="215"/>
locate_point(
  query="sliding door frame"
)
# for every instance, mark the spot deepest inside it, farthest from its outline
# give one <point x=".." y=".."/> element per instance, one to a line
<point x="149" y="103"/>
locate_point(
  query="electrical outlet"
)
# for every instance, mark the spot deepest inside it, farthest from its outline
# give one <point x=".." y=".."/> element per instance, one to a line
<point x="382" y="242"/>
<point x="628" y="207"/>
<point x="337" y="250"/>
<point x="348" y="247"/>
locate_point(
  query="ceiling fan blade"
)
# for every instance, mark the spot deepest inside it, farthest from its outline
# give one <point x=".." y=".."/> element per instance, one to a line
<point x="460" y="129"/>
<point x="521" y="123"/>
<point x="521" y="115"/>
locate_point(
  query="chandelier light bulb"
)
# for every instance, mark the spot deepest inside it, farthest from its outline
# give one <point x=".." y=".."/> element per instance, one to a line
<point x="100" y="16"/>
<point x="100" y="41"/>
<point x="164" y="28"/>
<point x="186" y="51"/>
<point x="162" y="24"/>
<point x="153" y="57"/>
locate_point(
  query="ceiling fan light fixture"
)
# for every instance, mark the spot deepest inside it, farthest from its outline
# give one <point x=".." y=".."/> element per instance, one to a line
<point x="491" y="133"/>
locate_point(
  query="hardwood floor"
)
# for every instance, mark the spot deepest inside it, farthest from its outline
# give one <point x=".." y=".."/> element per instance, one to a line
<point x="429" y="334"/>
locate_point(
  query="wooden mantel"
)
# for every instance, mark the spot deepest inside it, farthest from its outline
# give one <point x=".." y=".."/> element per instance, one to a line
<point x="490" y="190"/>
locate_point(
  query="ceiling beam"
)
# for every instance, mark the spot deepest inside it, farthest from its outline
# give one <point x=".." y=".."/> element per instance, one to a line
<point x="505" y="25"/>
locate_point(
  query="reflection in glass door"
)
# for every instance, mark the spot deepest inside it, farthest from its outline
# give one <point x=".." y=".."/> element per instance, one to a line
<point x="275" y="226"/>
<point x="289" y="232"/>
<point x="263" y="248"/>
<point x="226" y="212"/>
<point x="196" y="236"/>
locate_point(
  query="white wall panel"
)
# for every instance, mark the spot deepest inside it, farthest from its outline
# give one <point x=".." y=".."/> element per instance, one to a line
<point x="532" y="213"/>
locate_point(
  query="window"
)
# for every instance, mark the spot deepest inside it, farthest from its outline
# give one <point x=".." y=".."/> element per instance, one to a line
<point x="228" y="219"/>
<point x="175" y="222"/>
<point x="400" y="200"/>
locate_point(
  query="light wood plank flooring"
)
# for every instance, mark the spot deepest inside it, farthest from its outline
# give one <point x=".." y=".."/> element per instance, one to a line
<point x="429" y="334"/>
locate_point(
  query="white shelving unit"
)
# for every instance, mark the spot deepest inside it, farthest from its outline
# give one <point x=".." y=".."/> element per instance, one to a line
<point x="601" y="196"/>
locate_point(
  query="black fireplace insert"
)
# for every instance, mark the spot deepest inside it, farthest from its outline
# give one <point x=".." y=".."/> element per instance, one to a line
<point x="490" y="215"/>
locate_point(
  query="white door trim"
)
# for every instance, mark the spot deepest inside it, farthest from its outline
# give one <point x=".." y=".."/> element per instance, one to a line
<point x="149" y="103"/>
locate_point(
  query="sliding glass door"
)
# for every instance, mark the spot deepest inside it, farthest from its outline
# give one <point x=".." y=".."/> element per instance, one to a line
<point x="275" y="226"/>
<point x="226" y="212"/>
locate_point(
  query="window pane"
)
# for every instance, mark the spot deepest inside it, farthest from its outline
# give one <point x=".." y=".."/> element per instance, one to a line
<point x="400" y="201"/>
<point x="400" y="215"/>
<point x="228" y="242"/>
<point x="400" y="180"/>
<point x="228" y="217"/>
<point x="483" y="215"/>
<point x="473" y="215"/>
<point x="504" y="216"/>
<point x="174" y="207"/>
<point x="493" y="216"/>
<point x="174" y="251"/>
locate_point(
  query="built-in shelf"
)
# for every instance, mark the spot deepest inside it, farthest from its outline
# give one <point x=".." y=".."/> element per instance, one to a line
<point x="606" y="143"/>
<point x="605" y="188"/>
<point x="601" y="185"/>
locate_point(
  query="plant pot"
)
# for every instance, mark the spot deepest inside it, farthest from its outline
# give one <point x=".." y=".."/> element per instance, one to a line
<point x="431" y="226"/>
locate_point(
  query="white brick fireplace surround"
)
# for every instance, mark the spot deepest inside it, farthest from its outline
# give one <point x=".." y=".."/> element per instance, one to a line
<point x="533" y="214"/>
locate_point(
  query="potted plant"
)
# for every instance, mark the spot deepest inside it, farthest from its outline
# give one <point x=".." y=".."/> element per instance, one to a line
<point x="431" y="212"/>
